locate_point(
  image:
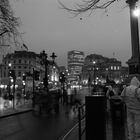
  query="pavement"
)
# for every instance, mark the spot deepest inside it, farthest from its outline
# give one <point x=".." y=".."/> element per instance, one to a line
<point x="33" y="126"/>
<point x="18" y="109"/>
<point x="67" y="117"/>
<point x="115" y="131"/>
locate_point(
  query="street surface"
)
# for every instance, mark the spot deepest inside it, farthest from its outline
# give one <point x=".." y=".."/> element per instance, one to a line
<point x="56" y="126"/>
<point x="30" y="126"/>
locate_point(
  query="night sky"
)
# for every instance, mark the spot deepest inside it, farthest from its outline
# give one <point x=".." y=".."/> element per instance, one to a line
<point x="47" y="27"/>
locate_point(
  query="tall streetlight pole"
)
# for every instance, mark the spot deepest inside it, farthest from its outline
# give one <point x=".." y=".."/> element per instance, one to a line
<point x="9" y="67"/>
<point x="94" y="62"/>
<point x="53" y="56"/>
<point x="134" y="61"/>
<point x="12" y="77"/>
<point x="44" y="60"/>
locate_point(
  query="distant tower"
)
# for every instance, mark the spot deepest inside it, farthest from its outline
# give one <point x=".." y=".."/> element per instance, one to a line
<point x="75" y="64"/>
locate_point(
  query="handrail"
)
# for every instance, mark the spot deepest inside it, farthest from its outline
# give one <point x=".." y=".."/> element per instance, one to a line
<point x="80" y="118"/>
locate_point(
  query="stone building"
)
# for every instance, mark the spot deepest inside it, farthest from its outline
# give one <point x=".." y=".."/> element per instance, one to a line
<point x="75" y="65"/>
<point x="97" y="68"/>
<point x="25" y="61"/>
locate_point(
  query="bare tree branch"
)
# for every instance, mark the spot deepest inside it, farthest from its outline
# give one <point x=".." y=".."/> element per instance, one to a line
<point x="88" y="5"/>
<point x="7" y="20"/>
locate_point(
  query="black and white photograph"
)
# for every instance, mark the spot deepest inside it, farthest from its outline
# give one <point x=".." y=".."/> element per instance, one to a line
<point x="69" y="70"/>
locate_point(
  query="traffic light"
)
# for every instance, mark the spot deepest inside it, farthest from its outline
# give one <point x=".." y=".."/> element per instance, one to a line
<point x="36" y="75"/>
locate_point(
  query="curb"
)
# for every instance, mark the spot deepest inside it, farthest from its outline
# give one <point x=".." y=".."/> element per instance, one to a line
<point x="16" y="113"/>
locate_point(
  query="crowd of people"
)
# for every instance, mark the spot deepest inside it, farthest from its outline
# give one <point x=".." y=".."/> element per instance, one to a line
<point x="127" y="100"/>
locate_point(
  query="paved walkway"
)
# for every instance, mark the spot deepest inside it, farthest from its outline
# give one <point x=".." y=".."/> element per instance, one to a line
<point x="115" y="132"/>
<point x="20" y="108"/>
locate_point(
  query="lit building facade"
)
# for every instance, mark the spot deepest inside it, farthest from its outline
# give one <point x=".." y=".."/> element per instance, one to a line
<point x="75" y="65"/>
<point x="25" y="61"/>
<point x="97" y="68"/>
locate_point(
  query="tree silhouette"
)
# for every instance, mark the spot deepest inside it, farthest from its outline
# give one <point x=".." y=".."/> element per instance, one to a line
<point x="8" y="22"/>
<point x="89" y="5"/>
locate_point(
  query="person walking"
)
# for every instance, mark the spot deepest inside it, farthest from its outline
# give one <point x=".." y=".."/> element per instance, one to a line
<point x="110" y="92"/>
<point x="131" y="97"/>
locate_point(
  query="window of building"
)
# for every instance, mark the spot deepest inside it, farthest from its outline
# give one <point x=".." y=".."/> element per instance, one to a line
<point x="25" y="61"/>
<point x="114" y="67"/>
<point x="14" y="67"/>
<point x="19" y="73"/>
<point x="14" y="61"/>
<point x="19" y="67"/>
<point x="118" y="67"/>
<point x="4" y="74"/>
<point x="19" y="60"/>
<point x="111" y="67"/>
<point x="25" y="67"/>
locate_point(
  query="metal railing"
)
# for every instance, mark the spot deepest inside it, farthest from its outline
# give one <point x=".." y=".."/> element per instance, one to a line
<point x="81" y="117"/>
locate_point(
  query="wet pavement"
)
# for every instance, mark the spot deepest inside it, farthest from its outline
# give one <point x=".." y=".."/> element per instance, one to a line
<point x="55" y="126"/>
<point x="32" y="126"/>
<point x="60" y="126"/>
<point x="115" y="131"/>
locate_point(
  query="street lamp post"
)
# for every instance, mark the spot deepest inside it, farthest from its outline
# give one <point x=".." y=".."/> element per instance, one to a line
<point x="94" y="62"/>
<point x="9" y="67"/>
<point x="134" y="61"/>
<point x="44" y="59"/>
<point x="13" y="76"/>
<point x="53" y="56"/>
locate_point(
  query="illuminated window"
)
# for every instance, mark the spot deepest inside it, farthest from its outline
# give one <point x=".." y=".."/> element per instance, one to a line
<point x="114" y="67"/>
<point x="118" y="67"/>
<point x="111" y="67"/>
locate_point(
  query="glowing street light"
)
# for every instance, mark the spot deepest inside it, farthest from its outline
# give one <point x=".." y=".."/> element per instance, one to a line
<point x="10" y="65"/>
<point x="136" y="12"/>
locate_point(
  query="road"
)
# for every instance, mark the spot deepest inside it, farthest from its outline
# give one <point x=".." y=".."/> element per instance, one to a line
<point x="31" y="126"/>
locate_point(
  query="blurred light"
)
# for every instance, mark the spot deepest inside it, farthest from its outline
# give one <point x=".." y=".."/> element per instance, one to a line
<point x="9" y="64"/>
<point x="1" y="106"/>
<point x="1" y="86"/>
<point x="12" y="80"/>
<point x="23" y="83"/>
<point x="94" y="62"/>
<point x="136" y="12"/>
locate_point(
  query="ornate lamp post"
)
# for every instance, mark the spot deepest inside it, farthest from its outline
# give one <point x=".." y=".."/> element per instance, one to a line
<point x="45" y="61"/>
<point x="53" y="56"/>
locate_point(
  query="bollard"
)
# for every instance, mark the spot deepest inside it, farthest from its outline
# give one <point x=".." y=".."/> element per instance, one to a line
<point x="95" y="117"/>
